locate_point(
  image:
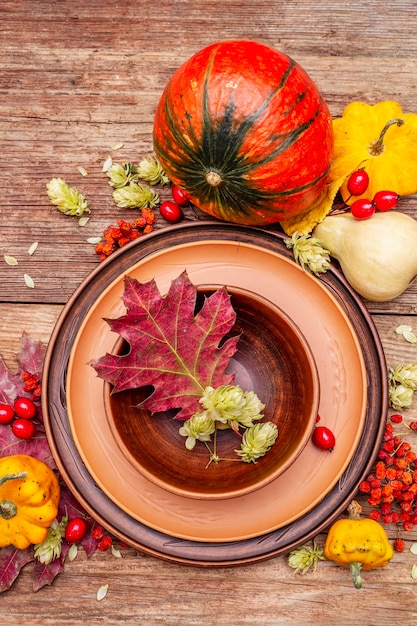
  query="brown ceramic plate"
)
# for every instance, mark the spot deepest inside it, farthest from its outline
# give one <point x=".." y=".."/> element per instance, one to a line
<point x="289" y="510"/>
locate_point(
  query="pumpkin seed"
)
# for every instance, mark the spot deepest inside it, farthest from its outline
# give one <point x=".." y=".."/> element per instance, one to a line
<point x="82" y="170"/>
<point x="115" y="552"/>
<point x="102" y="592"/>
<point x="72" y="552"/>
<point x="10" y="260"/>
<point x="29" y="282"/>
<point x="107" y="164"/>
<point x="33" y="248"/>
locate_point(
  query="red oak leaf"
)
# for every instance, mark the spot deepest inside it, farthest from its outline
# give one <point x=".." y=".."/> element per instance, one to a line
<point x="172" y="348"/>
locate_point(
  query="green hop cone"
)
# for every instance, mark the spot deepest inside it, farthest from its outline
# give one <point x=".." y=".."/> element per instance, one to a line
<point x="400" y="397"/>
<point x="230" y="405"/>
<point x="151" y="170"/>
<point x="121" y="175"/>
<point x="66" y="199"/>
<point x="200" y="426"/>
<point x="405" y="375"/>
<point x="303" y="558"/>
<point x="136" y="196"/>
<point x="256" y="441"/>
<point x="50" y="549"/>
<point x="309" y="253"/>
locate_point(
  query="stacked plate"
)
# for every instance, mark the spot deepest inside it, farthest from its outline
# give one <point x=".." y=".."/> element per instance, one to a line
<point x="286" y="511"/>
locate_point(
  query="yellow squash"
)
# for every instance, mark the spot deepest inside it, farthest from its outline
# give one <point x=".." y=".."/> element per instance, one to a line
<point x="358" y="543"/>
<point x="29" y="498"/>
<point x="380" y="139"/>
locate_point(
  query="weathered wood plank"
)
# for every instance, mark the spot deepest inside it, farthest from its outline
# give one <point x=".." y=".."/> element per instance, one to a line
<point x="77" y="77"/>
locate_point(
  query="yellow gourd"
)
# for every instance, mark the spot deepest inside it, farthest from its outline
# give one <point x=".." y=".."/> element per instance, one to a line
<point x="382" y="140"/>
<point x="29" y="498"/>
<point x="378" y="256"/>
<point x="359" y="543"/>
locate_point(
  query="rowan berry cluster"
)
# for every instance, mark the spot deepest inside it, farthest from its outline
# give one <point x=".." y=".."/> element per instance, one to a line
<point x="104" y="541"/>
<point x="32" y="384"/>
<point x="115" y="237"/>
<point x="392" y="486"/>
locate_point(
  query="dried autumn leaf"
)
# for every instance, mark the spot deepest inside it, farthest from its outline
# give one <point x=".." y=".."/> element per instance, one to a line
<point x="171" y="348"/>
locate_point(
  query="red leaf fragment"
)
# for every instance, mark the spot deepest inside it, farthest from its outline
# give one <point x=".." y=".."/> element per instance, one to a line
<point x="45" y="573"/>
<point x="171" y="348"/>
<point x="12" y="561"/>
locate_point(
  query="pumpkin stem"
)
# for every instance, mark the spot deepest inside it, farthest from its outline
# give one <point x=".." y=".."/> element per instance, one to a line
<point x="7" y="477"/>
<point x="354" y="509"/>
<point x="355" y="569"/>
<point x="214" y="179"/>
<point x="377" y="147"/>
<point x="8" y="509"/>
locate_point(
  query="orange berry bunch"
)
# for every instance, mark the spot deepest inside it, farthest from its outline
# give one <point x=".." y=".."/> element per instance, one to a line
<point x="392" y="486"/>
<point x="115" y="237"/>
<point x="32" y="384"/>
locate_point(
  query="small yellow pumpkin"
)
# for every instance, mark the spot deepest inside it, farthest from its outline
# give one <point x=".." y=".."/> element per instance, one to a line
<point x="359" y="543"/>
<point x="29" y="498"/>
<point x="380" y="139"/>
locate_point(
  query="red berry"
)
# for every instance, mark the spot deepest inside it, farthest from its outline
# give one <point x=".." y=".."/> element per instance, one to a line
<point x="23" y="428"/>
<point x="171" y="212"/>
<point x="75" y="530"/>
<point x="179" y="196"/>
<point x="358" y="183"/>
<point x="323" y="438"/>
<point x="396" y="418"/>
<point x="362" y="209"/>
<point x="6" y="414"/>
<point x="385" y="200"/>
<point x="25" y="408"/>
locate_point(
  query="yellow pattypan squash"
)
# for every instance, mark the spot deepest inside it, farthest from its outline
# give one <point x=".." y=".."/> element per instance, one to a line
<point x="359" y="543"/>
<point x="380" y="139"/>
<point x="29" y="498"/>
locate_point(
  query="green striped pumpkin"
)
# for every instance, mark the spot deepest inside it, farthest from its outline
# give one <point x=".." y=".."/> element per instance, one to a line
<point x="244" y="131"/>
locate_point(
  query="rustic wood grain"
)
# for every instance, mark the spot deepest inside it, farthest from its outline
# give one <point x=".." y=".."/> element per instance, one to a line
<point x="78" y="77"/>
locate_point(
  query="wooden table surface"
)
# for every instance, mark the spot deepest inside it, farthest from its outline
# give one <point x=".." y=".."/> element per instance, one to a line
<point x="78" y="77"/>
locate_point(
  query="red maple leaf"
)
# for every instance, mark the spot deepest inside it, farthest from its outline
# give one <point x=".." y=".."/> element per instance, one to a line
<point x="172" y="348"/>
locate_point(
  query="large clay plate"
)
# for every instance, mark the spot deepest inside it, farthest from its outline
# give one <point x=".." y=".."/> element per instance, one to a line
<point x="283" y="514"/>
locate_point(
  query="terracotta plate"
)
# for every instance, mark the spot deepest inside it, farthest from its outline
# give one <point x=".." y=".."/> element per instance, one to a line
<point x="289" y="510"/>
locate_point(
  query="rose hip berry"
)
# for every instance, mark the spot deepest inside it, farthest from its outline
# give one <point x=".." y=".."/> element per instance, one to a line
<point x="6" y="414"/>
<point x="362" y="209"/>
<point x="179" y="196"/>
<point x="358" y="183"/>
<point x="385" y="200"/>
<point x="171" y="212"/>
<point x="24" y="408"/>
<point x="23" y="428"/>
<point x="323" y="438"/>
<point x="75" y="530"/>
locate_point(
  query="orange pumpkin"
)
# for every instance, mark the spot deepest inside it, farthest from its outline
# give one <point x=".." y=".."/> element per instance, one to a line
<point x="243" y="129"/>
